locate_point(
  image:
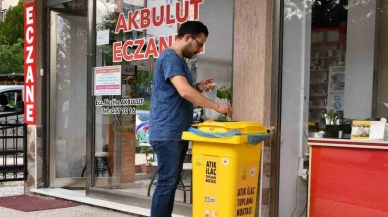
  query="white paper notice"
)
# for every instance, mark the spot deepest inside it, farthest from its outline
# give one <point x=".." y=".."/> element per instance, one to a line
<point x="107" y="80"/>
<point x="377" y="130"/>
<point x="103" y="37"/>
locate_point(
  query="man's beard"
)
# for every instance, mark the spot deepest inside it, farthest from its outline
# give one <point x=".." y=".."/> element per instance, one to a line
<point x="186" y="52"/>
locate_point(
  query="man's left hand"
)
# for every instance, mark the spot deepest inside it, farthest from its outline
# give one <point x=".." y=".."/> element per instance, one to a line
<point x="206" y="84"/>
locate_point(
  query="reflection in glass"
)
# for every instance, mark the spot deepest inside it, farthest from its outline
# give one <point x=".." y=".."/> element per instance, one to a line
<point x="122" y="139"/>
<point x="71" y="35"/>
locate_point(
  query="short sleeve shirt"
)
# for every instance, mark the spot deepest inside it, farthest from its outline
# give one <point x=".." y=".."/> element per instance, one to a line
<point x="170" y="114"/>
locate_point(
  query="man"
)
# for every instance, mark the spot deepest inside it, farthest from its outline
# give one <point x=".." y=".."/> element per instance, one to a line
<point x="171" y="113"/>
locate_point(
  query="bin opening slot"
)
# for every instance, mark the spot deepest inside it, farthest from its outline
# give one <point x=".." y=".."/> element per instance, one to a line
<point x="253" y="139"/>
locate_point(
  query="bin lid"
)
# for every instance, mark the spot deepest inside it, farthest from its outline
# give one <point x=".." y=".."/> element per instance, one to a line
<point x="245" y="127"/>
<point x="227" y="132"/>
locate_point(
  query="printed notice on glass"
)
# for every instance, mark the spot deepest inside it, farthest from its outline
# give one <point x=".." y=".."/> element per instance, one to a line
<point x="107" y="80"/>
<point x="103" y="37"/>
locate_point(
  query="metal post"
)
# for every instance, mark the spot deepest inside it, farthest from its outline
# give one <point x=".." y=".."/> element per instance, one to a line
<point x="91" y="62"/>
<point x="25" y="151"/>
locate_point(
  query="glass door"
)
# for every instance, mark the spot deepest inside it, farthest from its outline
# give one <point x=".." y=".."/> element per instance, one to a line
<point x="114" y="143"/>
<point x="67" y="107"/>
<point x="116" y="150"/>
<point x="114" y="120"/>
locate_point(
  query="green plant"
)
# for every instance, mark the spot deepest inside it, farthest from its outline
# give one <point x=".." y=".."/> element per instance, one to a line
<point x="323" y="118"/>
<point x="331" y="114"/>
<point x="145" y="106"/>
<point x="12" y="41"/>
<point x="224" y="93"/>
<point x="128" y="128"/>
<point x="145" y="149"/>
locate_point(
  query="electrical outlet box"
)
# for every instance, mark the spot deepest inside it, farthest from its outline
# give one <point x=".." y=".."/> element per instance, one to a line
<point x="303" y="168"/>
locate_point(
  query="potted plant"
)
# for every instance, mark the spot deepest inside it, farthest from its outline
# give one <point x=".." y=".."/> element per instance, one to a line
<point x="224" y="92"/>
<point x="323" y="118"/>
<point x="331" y="116"/>
<point x="147" y="167"/>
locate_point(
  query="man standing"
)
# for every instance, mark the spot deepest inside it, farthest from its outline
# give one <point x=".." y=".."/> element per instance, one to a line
<point x="171" y="113"/>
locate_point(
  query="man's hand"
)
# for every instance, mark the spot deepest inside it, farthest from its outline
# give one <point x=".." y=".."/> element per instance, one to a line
<point x="225" y="109"/>
<point x="206" y="84"/>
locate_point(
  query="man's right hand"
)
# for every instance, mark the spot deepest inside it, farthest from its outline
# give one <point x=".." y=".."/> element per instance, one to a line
<point x="224" y="109"/>
<point x="192" y="95"/>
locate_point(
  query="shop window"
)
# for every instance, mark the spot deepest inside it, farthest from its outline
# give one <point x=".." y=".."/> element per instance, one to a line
<point x="137" y="75"/>
<point x="327" y="71"/>
<point x="334" y="73"/>
<point x="347" y="73"/>
<point x="343" y="59"/>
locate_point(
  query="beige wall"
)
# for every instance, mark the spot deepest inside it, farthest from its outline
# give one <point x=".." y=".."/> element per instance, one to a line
<point x="252" y="73"/>
<point x="252" y="60"/>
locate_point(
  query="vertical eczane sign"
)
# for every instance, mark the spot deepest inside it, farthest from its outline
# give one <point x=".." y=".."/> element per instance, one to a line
<point x="30" y="63"/>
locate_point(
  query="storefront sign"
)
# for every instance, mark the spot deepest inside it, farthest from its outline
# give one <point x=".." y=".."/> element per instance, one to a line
<point x="156" y="16"/>
<point x="29" y="63"/>
<point x="107" y="80"/>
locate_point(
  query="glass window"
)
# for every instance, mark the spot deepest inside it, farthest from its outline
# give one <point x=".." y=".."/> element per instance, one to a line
<point x="13" y="97"/>
<point x="340" y="62"/>
<point x="11" y="100"/>
<point x="132" y="34"/>
<point x="334" y="73"/>
<point x="347" y="71"/>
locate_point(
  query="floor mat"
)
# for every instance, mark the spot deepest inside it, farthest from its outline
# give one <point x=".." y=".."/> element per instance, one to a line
<point x="26" y="203"/>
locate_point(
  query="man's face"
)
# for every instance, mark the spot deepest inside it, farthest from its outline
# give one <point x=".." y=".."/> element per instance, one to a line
<point x="194" y="44"/>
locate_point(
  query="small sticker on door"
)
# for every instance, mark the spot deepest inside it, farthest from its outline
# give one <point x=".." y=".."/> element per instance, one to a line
<point x="225" y="161"/>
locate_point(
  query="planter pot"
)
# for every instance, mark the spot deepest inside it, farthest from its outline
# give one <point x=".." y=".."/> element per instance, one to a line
<point x="145" y="168"/>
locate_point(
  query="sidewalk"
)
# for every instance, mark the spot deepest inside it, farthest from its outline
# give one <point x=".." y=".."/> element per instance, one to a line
<point x="78" y="211"/>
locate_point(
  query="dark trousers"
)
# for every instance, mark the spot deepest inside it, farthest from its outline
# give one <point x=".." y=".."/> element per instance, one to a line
<point x="170" y="156"/>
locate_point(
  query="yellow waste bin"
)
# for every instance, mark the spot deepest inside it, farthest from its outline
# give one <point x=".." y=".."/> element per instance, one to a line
<point x="225" y="170"/>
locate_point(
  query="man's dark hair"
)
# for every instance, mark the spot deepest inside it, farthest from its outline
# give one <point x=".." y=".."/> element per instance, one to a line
<point x="193" y="28"/>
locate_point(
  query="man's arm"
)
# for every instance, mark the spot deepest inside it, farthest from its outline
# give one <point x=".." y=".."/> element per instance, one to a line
<point x="173" y="70"/>
<point x="190" y="93"/>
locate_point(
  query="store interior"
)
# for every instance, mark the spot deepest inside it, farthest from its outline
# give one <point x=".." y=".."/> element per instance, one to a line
<point x="334" y="88"/>
<point x="347" y="70"/>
